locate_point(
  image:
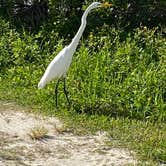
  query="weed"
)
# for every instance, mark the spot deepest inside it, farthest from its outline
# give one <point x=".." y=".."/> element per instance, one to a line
<point x="38" y="132"/>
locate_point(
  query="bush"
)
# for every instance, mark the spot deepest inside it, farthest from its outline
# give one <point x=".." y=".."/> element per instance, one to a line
<point x="65" y="16"/>
<point x="18" y="50"/>
<point x="122" y="78"/>
<point x="108" y="75"/>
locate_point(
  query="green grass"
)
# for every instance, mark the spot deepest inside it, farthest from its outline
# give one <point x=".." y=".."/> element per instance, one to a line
<point x="114" y="85"/>
<point x="147" y="139"/>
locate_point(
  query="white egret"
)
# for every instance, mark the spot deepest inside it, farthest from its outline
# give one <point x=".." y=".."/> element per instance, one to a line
<point x="59" y="66"/>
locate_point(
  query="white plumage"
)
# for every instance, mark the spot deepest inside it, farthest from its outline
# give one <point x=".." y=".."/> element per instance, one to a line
<point x="57" y="68"/>
<point x="60" y="64"/>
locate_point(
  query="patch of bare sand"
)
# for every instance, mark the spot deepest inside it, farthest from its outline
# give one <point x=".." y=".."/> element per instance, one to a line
<point x="57" y="148"/>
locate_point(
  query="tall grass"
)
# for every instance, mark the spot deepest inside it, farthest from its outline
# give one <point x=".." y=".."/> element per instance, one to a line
<point x="108" y="75"/>
<point x="123" y="78"/>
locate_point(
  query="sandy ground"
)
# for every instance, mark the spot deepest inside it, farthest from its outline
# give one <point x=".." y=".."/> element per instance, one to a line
<point x="59" y="147"/>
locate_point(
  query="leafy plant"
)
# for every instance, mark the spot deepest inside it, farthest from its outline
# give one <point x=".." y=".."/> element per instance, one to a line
<point x="109" y="75"/>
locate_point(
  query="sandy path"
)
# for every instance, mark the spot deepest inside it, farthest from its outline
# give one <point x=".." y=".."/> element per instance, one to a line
<point x="58" y="148"/>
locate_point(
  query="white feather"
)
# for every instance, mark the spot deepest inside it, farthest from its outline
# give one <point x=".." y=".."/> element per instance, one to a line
<point x="61" y="63"/>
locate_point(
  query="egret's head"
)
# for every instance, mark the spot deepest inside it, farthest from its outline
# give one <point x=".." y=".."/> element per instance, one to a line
<point x="95" y="4"/>
<point x="98" y="4"/>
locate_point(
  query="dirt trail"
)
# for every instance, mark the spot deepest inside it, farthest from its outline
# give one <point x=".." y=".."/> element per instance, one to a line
<point x="57" y="148"/>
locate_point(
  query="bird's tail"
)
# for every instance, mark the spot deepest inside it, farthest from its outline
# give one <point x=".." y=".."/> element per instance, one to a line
<point x="41" y="84"/>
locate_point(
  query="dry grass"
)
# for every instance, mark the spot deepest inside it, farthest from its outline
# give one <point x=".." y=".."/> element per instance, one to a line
<point x="38" y="132"/>
<point x="62" y="129"/>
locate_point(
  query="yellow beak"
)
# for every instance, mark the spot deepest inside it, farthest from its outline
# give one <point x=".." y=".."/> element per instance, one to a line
<point x="106" y="4"/>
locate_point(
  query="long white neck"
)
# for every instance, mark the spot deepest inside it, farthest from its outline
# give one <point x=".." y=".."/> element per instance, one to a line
<point x="78" y="35"/>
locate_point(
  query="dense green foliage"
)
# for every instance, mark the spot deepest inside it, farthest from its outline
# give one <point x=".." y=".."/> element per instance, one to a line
<point x="64" y="16"/>
<point x="125" y="15"/>
<point x="108" y="75"/>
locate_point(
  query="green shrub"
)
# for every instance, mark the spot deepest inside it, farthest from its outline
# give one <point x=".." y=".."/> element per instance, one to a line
<point x="108" y="75"/>
<point x="122" y="78"/>
<point x="65" y="16"/>
<point x="19" y="49"/>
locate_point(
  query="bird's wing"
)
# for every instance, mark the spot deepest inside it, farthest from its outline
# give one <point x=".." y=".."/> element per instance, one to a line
<point x="55" y="69"/>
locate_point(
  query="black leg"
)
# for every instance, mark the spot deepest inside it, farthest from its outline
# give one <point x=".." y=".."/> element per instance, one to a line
<point x="65" y="91"/>
<point x="56" y="92"/>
